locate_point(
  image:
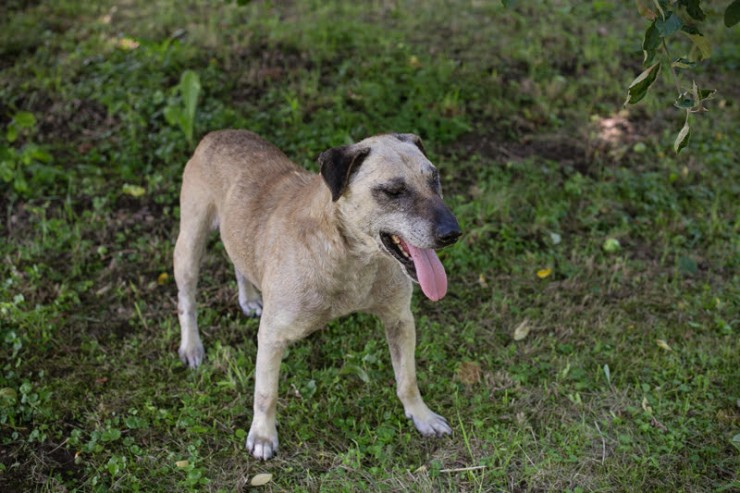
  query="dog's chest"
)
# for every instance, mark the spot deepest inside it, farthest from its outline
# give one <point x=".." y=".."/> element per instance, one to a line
<point x="354" y="288"/>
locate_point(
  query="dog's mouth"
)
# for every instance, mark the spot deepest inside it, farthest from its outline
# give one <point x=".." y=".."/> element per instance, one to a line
<point x="421" y="264"/>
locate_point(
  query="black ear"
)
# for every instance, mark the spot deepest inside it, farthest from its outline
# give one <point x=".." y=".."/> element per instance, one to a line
<point x="412" y="138"/>
<point x="338" y="164"/>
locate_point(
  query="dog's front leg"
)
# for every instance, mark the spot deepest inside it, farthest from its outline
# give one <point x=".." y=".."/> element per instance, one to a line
<point x="401" y="334"/>
<point x="262" y="441"/>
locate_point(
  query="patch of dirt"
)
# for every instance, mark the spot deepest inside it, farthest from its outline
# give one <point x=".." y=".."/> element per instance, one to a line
<point x="572" y="153"/>
<point x="38" y="467"/>
<point x="604" y="142"/>
<point x="78" y="120"/>
<point x="260" y="66"/>
<point x="14" y="6"/>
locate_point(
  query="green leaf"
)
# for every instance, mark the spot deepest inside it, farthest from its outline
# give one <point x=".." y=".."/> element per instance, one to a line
<point x="20" y="184"/>
<point x="11" y="135"/>
<point x="172" y="115"/>
<point x="508" y="3"/>
<point x="38" y="154"/>
<point x="693" y="8"/>
<point x="705" y="94"/>
<point x="24" y="119"/>
<point x="133" y="190"/>
<point x="356" y="370"/>
<point x="639" y="87"/>
<point x="682" y="140"/>
<point x="732" y="13"/>
<point x="687" y="265"/>
<point x="611" y="245"/>
<point x="735" y="441"/>
<point x="669" y="25"/>
<point x="110" y="435"/>
<point x="7" y="171"/>
<point x="685" y="101"/>
<point x="189" y="90"/>
<point x="682" y="63"/>
<point x="701" y="43"/>
<point x="690" y="29"/>
<point x="650" y="43"/>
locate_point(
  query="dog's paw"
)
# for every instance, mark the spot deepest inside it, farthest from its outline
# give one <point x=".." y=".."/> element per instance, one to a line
<point x="251" y="308"/>
<point x="262" y="446"/>
<point x="430" y="424"/>
<point x="192" y="354"/>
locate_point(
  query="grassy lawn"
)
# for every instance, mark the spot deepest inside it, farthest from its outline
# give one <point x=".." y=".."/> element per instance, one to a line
<point x="589" y="338"/>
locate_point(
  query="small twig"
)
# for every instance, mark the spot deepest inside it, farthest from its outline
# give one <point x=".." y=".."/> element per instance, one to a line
<point x="660" y="9"/>
<point x="603" y="443"/>
<point x="59" y="446"/>
<point x="463" y="469"/>
<point x="670" y="66"/>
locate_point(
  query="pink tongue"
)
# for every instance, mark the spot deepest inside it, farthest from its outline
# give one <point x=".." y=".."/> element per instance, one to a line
<point x="429" y="271"/>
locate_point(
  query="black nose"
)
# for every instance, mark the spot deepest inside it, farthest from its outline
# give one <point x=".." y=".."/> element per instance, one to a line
<point x="448" y="231"/>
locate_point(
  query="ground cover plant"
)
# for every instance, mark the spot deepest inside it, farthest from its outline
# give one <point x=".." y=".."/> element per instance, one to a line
<point x="589" y="339"/>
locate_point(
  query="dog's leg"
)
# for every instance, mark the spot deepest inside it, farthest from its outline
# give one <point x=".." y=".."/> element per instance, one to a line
<point x="262" y="441"/>
<point x="401" y="334"/>
<point x="196" y="219"/>
<point x="276" y="332"/>
<point x="249" y="298"/>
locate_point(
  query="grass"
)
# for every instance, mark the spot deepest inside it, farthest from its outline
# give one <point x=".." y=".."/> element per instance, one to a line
<point x="626" y="378"/>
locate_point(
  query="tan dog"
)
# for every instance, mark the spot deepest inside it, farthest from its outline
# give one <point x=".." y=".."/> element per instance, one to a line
<point x="317" y="247"/>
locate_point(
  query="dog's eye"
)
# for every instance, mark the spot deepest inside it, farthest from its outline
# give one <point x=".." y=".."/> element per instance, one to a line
<point x="434" y="182"/>
<point x="435" y="179"/>
<point x="394" y="191"/>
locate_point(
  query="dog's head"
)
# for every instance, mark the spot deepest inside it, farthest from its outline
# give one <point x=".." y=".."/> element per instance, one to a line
<point x="389" y="191"/>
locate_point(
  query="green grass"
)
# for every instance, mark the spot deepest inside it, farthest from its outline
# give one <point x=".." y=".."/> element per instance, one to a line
<point x="628" y="379"/>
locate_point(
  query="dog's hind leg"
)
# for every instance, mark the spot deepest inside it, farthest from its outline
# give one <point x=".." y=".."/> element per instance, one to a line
<point x="197" y="218"/>
<point x="249" y="298"/>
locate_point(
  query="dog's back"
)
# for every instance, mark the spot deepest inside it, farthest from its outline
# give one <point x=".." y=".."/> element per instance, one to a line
<point x="236" y="158"/>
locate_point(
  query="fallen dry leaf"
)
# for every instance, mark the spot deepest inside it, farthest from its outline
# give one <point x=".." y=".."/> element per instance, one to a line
<point x="663" y="345"/>
<point x="261" y="479"/>
<point x="522" y="330"/>
<point x="469" y="372"/>
<point x="482" y="281"/>
<point x="133" y="190"/>
<point x="646" y="407"/>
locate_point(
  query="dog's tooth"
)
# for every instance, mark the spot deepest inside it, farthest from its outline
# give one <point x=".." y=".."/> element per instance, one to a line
<point x="396" y="239"/>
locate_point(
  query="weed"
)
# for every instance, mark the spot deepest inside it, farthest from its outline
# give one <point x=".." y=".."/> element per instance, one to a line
<point x="183" y="115"/>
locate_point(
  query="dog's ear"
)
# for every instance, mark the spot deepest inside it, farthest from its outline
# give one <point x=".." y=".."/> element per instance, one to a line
<point x="338" y="164"/>
<point x="412" y="138"/>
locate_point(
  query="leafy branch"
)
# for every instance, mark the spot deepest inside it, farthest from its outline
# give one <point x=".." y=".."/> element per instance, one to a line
<point x="669" y="18"/>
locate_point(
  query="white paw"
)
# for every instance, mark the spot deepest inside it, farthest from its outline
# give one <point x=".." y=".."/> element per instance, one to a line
<point x="430" y="424"/>
<point x="251" y="308"/>
<point x="192" y="354"/>
<point x="262" y="444"/>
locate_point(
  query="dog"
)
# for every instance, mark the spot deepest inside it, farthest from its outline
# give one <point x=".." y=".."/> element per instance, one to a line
<point x="353" y="238"/>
